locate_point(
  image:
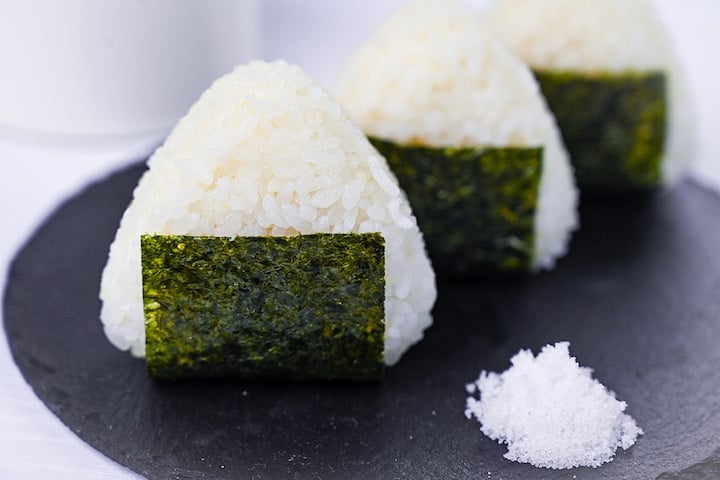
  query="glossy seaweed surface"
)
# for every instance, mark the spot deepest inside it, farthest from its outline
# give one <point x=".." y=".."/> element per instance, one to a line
<point x="614" y="127"/>
<point x="475" y="206"/>
<point x="302" y="307"/>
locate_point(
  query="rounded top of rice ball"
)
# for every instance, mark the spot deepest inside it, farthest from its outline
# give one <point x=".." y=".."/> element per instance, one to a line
<point x="266" y="151"/>
<point x="433" y="74"/>
<point x="583" y="35"/>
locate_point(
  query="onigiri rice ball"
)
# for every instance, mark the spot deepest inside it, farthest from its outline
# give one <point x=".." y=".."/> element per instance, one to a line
<point x="610" y="75"/>
<point x="434" y="77"/>
<point x="266" y="152"/>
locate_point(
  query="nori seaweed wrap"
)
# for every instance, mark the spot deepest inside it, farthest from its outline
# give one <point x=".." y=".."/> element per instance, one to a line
<point x="301" y="307"/>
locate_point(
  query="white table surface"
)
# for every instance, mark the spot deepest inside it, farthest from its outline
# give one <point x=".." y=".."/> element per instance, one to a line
<point x="37" y="175"/>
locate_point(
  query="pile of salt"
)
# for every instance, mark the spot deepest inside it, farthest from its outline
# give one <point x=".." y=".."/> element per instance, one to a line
<point x="550" y="411"/>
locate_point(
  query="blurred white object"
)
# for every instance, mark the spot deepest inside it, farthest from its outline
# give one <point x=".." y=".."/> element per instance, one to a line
<point x="119" y="68"/>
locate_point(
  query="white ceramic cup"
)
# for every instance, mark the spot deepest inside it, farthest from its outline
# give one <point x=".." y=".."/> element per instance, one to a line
<point x="115" y="67"/>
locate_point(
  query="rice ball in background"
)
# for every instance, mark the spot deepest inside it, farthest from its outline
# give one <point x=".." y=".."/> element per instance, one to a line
<point x="266" y="152"/>
<point x="463" y="125"/>
<point x="609" y="74"/>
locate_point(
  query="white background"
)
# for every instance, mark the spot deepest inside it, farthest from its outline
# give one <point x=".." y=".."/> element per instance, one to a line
<point x="37" y="173"/>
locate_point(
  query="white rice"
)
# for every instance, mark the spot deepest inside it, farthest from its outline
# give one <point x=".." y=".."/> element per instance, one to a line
<point x="433" y="74"/>
<point x="265" y="151"/>
<point x="592" y="36"/>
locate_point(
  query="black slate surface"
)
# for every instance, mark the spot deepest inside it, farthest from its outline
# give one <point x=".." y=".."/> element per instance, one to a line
<point x="638" y="297"/>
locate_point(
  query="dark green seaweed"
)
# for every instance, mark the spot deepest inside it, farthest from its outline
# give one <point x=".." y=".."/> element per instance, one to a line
<point x="303" y="307"/>
<point x="614" y="127"/>
<point x="475" y="206"/>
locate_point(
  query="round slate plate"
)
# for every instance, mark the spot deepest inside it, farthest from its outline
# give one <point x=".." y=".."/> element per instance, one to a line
<point x="638" y="297"/>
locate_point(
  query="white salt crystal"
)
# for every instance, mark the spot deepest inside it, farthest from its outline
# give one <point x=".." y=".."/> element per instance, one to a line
<point x="550" y="411"/>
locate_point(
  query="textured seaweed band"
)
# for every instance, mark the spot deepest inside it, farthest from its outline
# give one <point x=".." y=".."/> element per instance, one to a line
<point x="303" y="307"/>
<point x="613" y="125"/>
<point x="475" y="206"/>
